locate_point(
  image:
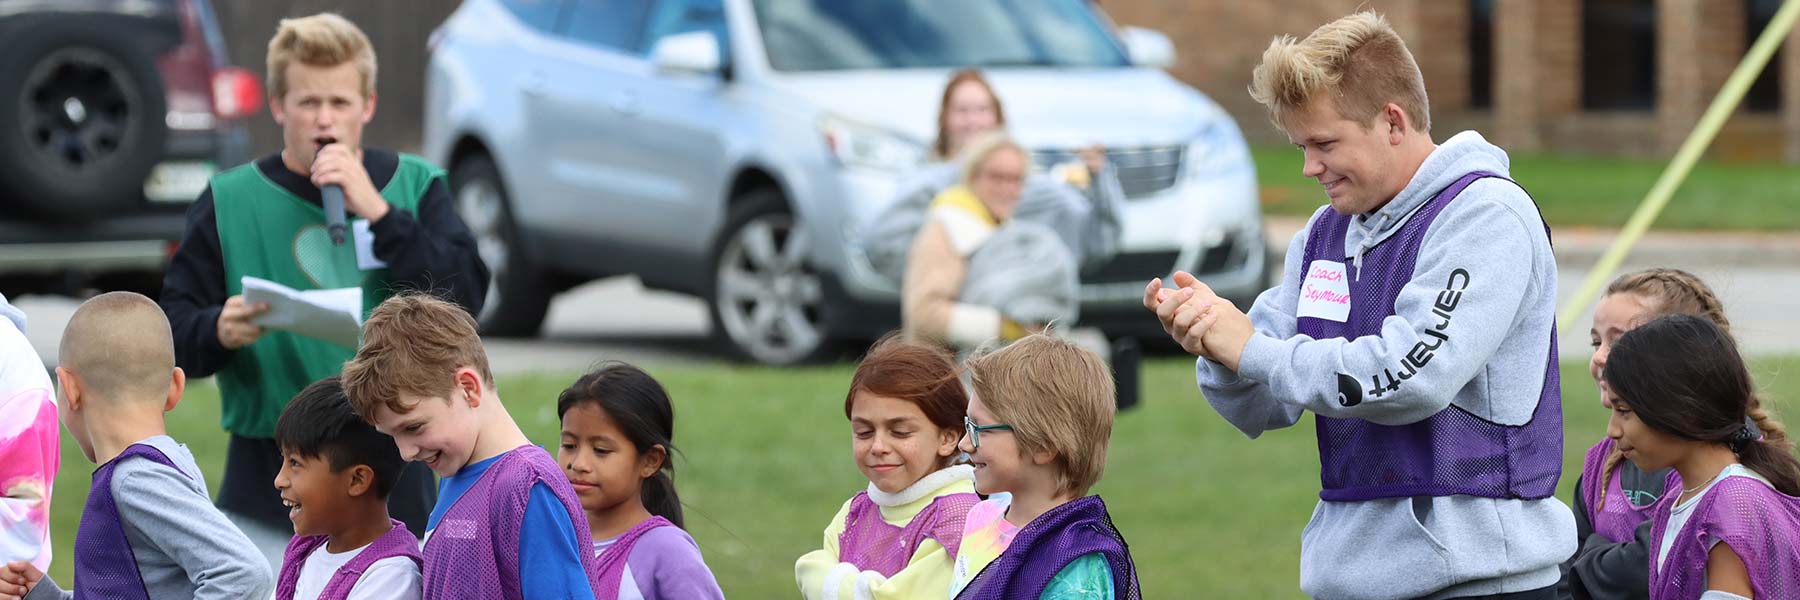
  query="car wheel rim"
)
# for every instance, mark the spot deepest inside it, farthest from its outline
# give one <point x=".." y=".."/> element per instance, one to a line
<point x="481" y="206"/>
<point x="767" y="298"/>
<point x="78" y="109"/>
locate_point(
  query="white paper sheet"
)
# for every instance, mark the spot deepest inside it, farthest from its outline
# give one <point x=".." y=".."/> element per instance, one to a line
<point x="333" y="315"/>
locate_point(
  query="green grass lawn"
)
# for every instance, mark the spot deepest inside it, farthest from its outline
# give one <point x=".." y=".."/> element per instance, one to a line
<point x="1575" y="190"/>
<point x="766" y="461"/>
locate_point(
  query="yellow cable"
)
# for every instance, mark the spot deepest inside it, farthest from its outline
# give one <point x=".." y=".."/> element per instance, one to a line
<point x="1691" y="149"/>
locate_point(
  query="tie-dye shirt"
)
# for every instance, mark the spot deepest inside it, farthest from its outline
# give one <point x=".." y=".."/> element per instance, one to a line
<point x="986" y="534"/>
<point x="29" y="447"/>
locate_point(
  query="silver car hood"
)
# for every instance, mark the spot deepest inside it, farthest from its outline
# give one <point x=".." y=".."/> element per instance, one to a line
<point x="1045" y="108"/>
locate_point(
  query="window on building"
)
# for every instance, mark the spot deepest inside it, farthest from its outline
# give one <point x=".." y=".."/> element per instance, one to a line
<point x="1765" y="93"/>
<point x="1618" y="58"/>
<point x="1481" y="53"/>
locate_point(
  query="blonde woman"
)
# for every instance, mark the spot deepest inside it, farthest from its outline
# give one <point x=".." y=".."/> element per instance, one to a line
<point x="1078" y="200"/>
<point x="975" y="273"/>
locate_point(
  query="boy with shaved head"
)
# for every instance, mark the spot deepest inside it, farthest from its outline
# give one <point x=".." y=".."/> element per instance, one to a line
<point x="149" y="529"/>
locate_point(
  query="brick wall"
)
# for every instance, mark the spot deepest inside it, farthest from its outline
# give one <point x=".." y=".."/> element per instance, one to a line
<point x="1219" y="42"/>
<point x="1537" y="68"/>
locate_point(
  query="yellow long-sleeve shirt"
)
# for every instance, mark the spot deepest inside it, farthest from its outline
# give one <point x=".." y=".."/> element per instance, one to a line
<point x="823" y="576"/>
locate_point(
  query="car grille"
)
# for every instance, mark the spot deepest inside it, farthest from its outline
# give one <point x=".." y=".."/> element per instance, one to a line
<point x="1218" y="258"/>
<point x="1142" y="171"/>
<point x="1140" y="267"/>
<point x="1127" y="267"/>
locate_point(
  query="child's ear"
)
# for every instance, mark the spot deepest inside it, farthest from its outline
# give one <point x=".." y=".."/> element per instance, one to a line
<point x="1043" y="457"/>
<point x="362" y="480"/>
<point x="71" y="388"/>
<point x="177" y="385"/>
<point x="651" y="461"/>
<point x="947" y="441"/>
<point x="471" y="385"/>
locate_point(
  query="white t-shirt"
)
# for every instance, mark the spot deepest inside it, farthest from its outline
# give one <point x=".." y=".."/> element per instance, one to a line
<point x="1678" y="516"/>
<point x="628" y="589"/>
<point x="392" y="577"/>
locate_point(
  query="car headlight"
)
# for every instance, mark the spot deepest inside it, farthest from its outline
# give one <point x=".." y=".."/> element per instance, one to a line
<point x="1217" y="150"/>
<point x="867" y="147"/>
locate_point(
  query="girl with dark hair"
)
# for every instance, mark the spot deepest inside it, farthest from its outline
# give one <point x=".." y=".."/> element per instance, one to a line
<point x="1682" y="399"/>
<point x="618" y="429"/>
<point x="1613" y="499"/>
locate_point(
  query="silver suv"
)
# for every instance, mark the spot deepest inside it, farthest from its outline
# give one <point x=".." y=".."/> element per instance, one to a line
<point x="733" y="149"/>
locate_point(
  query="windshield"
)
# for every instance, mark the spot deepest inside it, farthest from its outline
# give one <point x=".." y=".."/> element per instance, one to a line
<point x="822" y="35"/>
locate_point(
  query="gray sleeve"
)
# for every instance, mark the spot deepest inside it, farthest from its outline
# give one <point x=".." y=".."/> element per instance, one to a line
<point x="1087" y="220"/>
<point x="1468" y="286"/>
<point x="1106" y="197"/>
<point x="887" y="239"/>
<point x="46" y="589"/>
<point x="157" y="505"/>
<point x="1247" y="404"/>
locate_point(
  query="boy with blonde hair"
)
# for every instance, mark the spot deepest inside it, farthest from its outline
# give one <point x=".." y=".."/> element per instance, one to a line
<point x="1415" y="320"/>
<point x="422" y="377"/>
<point x="1040" y="416"/>
<point x="148" y="530"/>
<point x="267" y="219"/>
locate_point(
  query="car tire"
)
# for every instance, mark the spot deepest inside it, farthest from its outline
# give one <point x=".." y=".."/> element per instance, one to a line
<point x="766" y="301"/>
<point x="82" y="118"/>
<point x="518" y="293"/>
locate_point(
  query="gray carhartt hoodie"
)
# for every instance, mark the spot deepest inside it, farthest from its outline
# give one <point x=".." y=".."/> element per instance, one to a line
<point x="1432" y="547"/>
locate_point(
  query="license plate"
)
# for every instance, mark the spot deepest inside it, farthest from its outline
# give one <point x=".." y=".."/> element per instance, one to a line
<point x="178" y="182"/>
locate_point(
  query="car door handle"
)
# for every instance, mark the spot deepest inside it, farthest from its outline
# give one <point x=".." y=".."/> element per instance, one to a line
<point x="624" y="102"/>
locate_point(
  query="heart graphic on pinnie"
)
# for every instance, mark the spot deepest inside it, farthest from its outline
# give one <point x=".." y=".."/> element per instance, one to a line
<point x="327" y="265"/>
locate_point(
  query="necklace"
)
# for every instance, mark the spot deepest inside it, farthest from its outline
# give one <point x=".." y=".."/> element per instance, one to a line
<point x="1690" y="491"/>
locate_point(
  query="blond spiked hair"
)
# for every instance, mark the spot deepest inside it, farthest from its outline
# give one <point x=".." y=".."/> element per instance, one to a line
<point x="1357" y="62"/>
<point x="321" y="40"/>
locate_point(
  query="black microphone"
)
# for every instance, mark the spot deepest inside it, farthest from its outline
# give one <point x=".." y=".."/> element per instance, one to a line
<point x="332" y="196"/>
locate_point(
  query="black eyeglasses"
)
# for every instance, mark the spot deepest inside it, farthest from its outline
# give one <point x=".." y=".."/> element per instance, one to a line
<point x="974" y="431"/>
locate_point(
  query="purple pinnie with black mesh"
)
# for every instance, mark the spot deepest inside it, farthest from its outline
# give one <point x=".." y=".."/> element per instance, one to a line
<point x="1452" y="452"/>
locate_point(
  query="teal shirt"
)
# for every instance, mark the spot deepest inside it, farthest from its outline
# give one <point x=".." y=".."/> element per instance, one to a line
<point x="1088" y="578"/>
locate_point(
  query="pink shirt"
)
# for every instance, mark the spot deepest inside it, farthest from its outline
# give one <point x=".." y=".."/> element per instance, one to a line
<point x="29" y="449"/>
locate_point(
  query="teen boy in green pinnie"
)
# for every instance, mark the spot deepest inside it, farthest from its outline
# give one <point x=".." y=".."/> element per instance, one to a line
<point x="266" y="220"/>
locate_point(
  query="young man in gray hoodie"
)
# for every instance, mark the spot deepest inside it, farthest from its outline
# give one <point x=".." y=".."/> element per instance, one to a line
<point x="1415" y="320"/>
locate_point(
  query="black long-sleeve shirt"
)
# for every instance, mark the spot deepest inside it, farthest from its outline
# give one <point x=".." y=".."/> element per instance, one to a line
<point x="1601" y="569"/>
<point x="430" y="252"/>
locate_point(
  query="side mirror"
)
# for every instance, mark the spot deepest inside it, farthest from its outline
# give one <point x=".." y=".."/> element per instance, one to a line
<point x="694" y="52"/>
<point x="1148" y="47"/>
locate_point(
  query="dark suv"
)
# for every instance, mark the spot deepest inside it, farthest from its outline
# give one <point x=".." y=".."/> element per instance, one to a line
<point x="113" y="115"/>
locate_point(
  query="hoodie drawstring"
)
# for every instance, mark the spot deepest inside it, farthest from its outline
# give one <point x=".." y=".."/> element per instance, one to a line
<point x="1368" y="239"/>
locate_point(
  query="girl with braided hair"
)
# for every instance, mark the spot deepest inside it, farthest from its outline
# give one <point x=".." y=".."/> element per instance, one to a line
<point x="1613" y="498"/>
